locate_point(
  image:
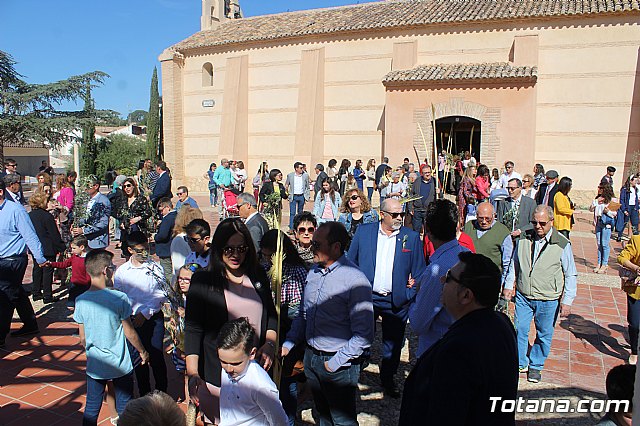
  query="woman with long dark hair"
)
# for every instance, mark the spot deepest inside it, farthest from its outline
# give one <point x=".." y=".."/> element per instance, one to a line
<point x="628" y="207"/>
<point x="604" y="219"/>
<point x="133" y="213"/>
<point x="482" y="184"/>
<point x="234" y="286"/>
<point x="332" y="170"/>
<point x="212" y="185"/>
<point x="274" y="185"/>
<point x="343" y="174"/>
<point x="327" y="204"/>
<point x="563" y="207"/>
<point x="538" y="176"/>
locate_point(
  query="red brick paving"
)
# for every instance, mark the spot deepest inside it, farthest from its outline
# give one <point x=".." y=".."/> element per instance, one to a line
<point x="42" y="377"/>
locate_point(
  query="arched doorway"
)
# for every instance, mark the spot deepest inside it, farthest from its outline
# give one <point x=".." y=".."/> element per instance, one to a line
<point x="457" y="134"/>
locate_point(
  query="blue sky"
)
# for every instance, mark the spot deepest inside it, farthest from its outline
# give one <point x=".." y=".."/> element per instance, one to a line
<point x="52" y="40"/>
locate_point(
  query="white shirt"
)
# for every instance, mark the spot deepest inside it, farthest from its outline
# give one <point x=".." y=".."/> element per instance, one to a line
<point x="143" y="285"/>
<point x="15" y="197"/>
<point x="179" y="251"/>
<point x="194" y="257"/>
<point x="505" y="178"/>
<point x="632" y="199"/>
<point x="298" y="185"/>
<point x="385" y="254"/>
<point x="250" y="399"/>
<point x="545" y="199"/>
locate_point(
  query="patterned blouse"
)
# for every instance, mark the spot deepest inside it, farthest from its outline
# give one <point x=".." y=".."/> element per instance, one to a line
<point x="139" y="207"/>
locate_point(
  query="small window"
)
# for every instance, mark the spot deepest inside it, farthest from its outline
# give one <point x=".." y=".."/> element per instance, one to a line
<point x="207" y="75"/>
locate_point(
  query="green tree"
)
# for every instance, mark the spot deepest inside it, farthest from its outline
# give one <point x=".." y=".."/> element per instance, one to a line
<point x="121" y="153"/>
<point x="31" y="112"/>
<point x="153" y="119"/>
<point x="111" y="118"/>
<point x="138" y="116"/>
<point x="89" y="147"/>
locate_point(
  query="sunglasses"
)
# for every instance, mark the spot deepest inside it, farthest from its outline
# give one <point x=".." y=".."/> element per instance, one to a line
<point x="303" y="230"/>
<point x="395" y="215"/>
<point x="511" y="188"/>
<point x="228" y="251"/>
<point x="194" y="240"/>
<point x="526" y="180"/>
<point x="12" y="165"/>
<point x="128" y="185"/>
<point x="448" y="277"/>
<point x="354" y="197"/>
<point x="542" y="224"/>
<point x="179" y="193"/>
<point x="139" y="251"/>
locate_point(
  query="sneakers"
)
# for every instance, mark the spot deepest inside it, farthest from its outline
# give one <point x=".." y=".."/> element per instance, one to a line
<point x="523" y="369"/>
<point x="534" y="376"/>
<point x="25" y="331"/>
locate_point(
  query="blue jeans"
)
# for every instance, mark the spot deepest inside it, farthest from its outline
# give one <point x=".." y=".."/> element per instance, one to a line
<point x="95" y="392"/>
<point x="369" y="193"/>
<point x="393" y="327"/>
<point x="544" y="314"/>
<point x="151" y="334"/>
<point x="334" y="394"/>
<point x="296" y="205"/>
<point x="213" y="196"/>
<point x="417" y="221"/>
<point x="603" y="237"/>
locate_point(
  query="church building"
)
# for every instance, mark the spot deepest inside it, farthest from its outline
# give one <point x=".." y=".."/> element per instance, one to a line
<point x="555" y="82"/>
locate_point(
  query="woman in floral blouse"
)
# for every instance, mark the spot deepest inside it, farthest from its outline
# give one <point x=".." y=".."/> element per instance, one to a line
<point x="133" y="213"/>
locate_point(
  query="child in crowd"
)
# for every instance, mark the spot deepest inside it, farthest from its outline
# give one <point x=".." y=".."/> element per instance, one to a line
<point x="247" y="394"/>
<point x="176" y="322"/>
<point x="104" y="327"/>
<point x="142" y="280"/>
<point x="619" y="384"/>
<point x="156" y="408"/>
<point x="198" y="236"/>
<point x="80" y="280"/>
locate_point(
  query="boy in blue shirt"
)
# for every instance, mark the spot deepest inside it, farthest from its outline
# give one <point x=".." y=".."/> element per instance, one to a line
<point x="104" y="325"/>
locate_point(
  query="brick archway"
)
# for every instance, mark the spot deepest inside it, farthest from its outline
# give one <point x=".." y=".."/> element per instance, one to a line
<point x="488" y="117"/>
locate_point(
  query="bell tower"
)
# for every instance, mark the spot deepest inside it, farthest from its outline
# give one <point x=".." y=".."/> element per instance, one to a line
<point x="215" y="12"/>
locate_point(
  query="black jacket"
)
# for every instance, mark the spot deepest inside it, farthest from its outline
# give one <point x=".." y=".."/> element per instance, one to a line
<point x="542" y="190"/>
<point x="164" y="236"/>
<point x="452" y="382"/>
<point x="317" y="187"/>
<point x="206" y="313"/>
<point x="257" y="226"/>
<point x="267" y="189"/>
<point x="47" y="231"/>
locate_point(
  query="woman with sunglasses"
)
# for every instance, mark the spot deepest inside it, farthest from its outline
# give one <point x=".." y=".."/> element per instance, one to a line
<point x="294" y="273"/>
<point x="233" y="286"/>
<point x="604" y="220"/>
<point x="356" y="210"/>
<point x="305" y="225"/>
<point x="133" y="213"/>
<point x="327" y="204"/>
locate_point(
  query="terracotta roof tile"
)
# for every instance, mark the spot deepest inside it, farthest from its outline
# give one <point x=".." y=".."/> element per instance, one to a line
<point x="460" y="72"/>
<point x="395" y="14"/>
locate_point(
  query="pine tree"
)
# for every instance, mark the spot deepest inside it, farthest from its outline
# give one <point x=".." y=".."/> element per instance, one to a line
<point x="89" y="148"/>
<point x="29" y="112"/>
<point x="153" y="119"/>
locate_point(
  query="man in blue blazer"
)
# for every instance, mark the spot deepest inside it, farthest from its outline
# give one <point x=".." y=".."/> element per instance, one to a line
<point x="95" y="226"/>
<point x="389" y="254"/>
<point x="163" y="184"/>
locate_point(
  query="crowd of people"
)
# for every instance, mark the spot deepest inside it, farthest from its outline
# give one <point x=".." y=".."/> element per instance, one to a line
<point x="448" y="269"/>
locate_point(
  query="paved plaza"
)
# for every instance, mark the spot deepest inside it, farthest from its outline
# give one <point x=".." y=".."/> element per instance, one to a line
<point x="42" y="378"/>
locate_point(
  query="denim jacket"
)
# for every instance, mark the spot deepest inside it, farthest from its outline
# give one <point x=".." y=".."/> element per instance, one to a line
<point x="318" y="206"/>
<point x="367" y="217"/>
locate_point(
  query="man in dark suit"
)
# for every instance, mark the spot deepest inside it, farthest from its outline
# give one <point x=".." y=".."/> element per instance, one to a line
<point x="248" y="210"/>
<point x="320" y="177"/>
<point x="163" y="184"/>
<point x="389" y="254"/>
<point x="11" y="168"/>
<point x="465" y="376"/>
<point x="164" y="236"/>
<point x="516" y="211"/>
<point x="548" y="190"/>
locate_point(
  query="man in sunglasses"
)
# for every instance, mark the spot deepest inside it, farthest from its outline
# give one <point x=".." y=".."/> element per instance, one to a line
<point x="142" y="280"/>
<point x="474" y="361"/>
<point x="508" y="174"/>
<point x="389" y="254"/>
<point x="543" y="270"/>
